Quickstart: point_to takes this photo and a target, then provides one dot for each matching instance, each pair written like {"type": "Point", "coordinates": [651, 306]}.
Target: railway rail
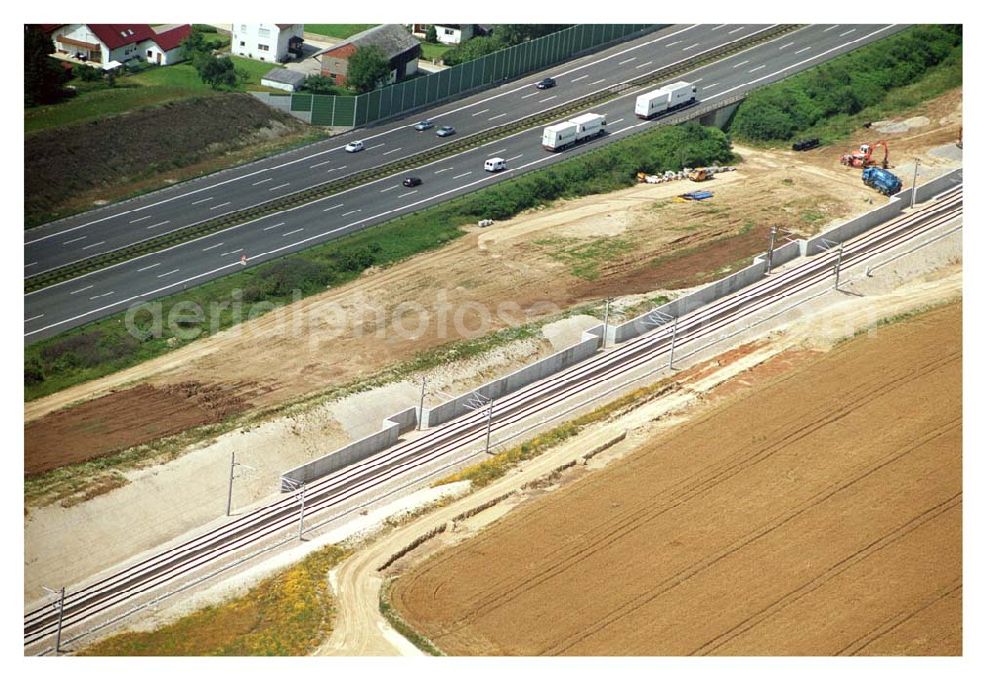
{"type": "Point", "coordinates": [99, 600]}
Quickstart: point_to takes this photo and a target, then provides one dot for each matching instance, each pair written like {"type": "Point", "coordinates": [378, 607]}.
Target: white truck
{"type": "Point", "coordinates": [574, 130]}
{"type": "Point", "coordinates": [664, 99]}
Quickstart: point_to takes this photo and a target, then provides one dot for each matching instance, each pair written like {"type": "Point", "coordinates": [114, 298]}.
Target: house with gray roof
{"type": "Point", "coordinates": [394, 40]}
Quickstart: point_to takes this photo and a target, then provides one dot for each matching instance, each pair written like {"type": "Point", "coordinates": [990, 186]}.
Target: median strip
{"type": "Point", "coordinates": [300, 198]}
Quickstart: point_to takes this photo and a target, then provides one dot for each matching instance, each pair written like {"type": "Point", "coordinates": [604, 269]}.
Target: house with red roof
{"type": "Point", "coordinates": [106, 43]}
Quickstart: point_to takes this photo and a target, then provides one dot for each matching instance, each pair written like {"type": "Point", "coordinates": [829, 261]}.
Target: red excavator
{"type": "Point", "coordinates": [862, 158]}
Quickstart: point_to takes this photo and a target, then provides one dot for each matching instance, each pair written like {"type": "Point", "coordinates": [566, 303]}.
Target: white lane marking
{"type": "Point", "coordinates": [485, 110]}
{"type": "Point", "coordinates": [804, 49]}
{"type": "Point", "coordinates": [496, 117]}
{"type": "Point", "coordinates": [582, 77]}
{"type": "Point", "coordinates": [75, 239]}
{"type": "Point", "coordinates": [319, 164]}
{"type": "Point", "coordinates": [643, 65]}
{"type": "Point", "coordinates": [34, 318]}
{"type": "Point", "coordinates": [597, 82]}
{"type": "Point", "coordinates": [222, 204]}
{"type": "Point", "coordinates": [614, 122]}
{"type": "Point", "coordinates": [736, 30]}
{"type": "Point", "coordinates": [385, 190]}
{"type": "Point", "coordinates": [515, 157]}
{"type": "Point", "coordinates": [443, 170]}
{"type": "Point", "coordinates": [622, 63]}
{"type": "Point", "coordinates": [292, 232]}
{"type": "Point", "coordinates": [741, 63]}
{"type": "Point", "coordinates": [754, 70]}
{"type": "Point", "coordinates": [548, 99]}
{"type": "Point", "coordinates": [101, 296]}
{"type": "Point", "coordinates": [501, 150]}
{"type": "Point", "coordinates": [143, 218]}
{"type": "Point", "coordinates": [376, 146]}
{"type": "Point", "coordinates": [275, 225]}
{"type": "Point", "coordinates": [671, 44]}
{"type": "Point", "coordinates": [528, 96]}
{"type": "Point", "coordinates": [198, 202]}
{"type": "Point", "coordinates": [279, 187]}
{"type": "Point", "coordinates": [390, 152]}
{"type": "Point", "coordinates": [623, 129]}
{"type": "Point", "coordinates": [691, 47]}
{"type": "Point", "coordinates": [96, 244]}
{"type": "Point", "coordinates": [169, 273]}
{"type": "Point", "coordinates": [260, 182]}
{"type": "Point", "coordinates": [235, 251]}
{"type": "Point", "coordinates": [336, 169]}
{"type": "Point", "coordinates": [847, 32]}
{"type": "Point", "coordinates": [333, 207]}
{"type": "Point", "coordinates": [89, 286]}
{"type": "Point", "coordinates": [695, 82]}
{"type": "Point", "coordinates": [711, 85]}
{"type": "Point", "coordinates": [405, 194]}
{"type": "Point", "coordinates": [798, 63]}
{"type": "Point", "coordinates": [157, 225]}
{"type": "Point", "coordinates": [719, 26]}
{"type": "Point", "coordinates": [461, 175]}
{"type": "Point", "coordinates": [353, 211]}
{"type": "Point", "coordinates": [148, 267]}
{"type": "Point", "coordinates": [29, 265]}
{"type": "Point", "coordinates": [213, 246]}
{"type": "Point", "coordinates": [831, 28]}
{"type": "Point", "coordinates": [787, 44]}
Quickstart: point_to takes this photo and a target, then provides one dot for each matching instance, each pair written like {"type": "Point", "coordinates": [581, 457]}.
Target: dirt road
{"type": "Point", "coordinates": [818, 512]}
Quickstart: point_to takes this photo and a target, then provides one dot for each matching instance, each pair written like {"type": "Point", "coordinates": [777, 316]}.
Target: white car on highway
{"type": "Point", "coordinates": [354, 146]}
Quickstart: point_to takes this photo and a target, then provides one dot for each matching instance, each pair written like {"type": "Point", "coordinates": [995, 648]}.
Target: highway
{"type": "Point", "coordinates": [68, 304]}
{"type": "Point", "coordinates": [114, 595]}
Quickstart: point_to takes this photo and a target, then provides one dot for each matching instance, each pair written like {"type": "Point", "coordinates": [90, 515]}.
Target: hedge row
{"type": "Point", "coordinates": [845, 85]}
{"type": "Point", "coordinates": [106, 345]}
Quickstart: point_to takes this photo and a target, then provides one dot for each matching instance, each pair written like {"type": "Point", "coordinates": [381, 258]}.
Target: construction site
{"type": "Point", "coordinates": [646, 422]}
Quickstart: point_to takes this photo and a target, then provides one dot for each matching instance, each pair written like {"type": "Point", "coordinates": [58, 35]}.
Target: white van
{"type": "Point", "coordinates": [495, 164]}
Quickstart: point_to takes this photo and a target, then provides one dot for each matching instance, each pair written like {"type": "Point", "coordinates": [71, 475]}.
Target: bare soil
{"type": "Point", "coordinates": [816, 510]}
{"type": "Point", "coordinates": [127, 418]}
{"type": "Point", "coordinates": [528, 268]}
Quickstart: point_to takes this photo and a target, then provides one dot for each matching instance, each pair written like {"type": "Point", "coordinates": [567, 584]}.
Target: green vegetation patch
{"type": "Point", "coordinates": [107, 345]}
{"type": "Point", "coordinates": [337, 31]}
{"type": "Point", "coordinates": [852, 83]}
{"type": "Point", "coordinates": [287, 614]}
{"type": "Point", "coordinates": [584, 258]}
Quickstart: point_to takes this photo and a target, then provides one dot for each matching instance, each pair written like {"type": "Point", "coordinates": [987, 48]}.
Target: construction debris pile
{"type": "Point", "coordinates": [699, 174]}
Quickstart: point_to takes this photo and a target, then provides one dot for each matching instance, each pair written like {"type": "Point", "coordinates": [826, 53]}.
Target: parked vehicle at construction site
{"type": "Point", "coordinates": [805, 144]}
{"type": "Point", "coordinates": [665, 99]}
{"type": "Point", "coordinates": [862, 157]}
{"type": "Point", "coordinates": [881, 180]}
{"type": "Point", "coordinates": [573, 131]}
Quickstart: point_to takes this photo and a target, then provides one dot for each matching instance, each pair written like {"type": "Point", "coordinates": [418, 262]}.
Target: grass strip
{"type": "Point", "coordinates": [401, 626]}
{"type": "Point", "coordinates": [286, 614]}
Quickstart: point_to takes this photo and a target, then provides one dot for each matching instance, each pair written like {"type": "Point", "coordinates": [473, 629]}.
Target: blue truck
{"type": "Point", "coordinates": [881, 180]}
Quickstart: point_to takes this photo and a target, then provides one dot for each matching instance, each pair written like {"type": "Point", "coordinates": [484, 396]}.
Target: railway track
{"type": "Point", "coordinates": [94, 603]}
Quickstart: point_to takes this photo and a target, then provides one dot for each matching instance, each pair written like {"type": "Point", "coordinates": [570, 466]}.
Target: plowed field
{"type": "Point", "coordinates": [817, 513]}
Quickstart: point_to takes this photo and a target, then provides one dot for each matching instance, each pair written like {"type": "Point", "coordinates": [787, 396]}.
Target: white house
{"type": "Point", "coordinates": [267, 42]}
{"type": "Point", "coordinates": [451, 34]}
{"type": "Point", "coordinates": [104, 43]}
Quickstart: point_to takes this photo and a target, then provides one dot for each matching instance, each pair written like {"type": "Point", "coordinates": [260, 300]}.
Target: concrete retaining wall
{"type": "Point", "coordinates": [358, 450]}
{"type": "Point", "coordinates": [588, 345]}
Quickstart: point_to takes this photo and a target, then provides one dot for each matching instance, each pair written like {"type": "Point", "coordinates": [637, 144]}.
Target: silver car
{"type": "Point", "coordinates": [354, 146]}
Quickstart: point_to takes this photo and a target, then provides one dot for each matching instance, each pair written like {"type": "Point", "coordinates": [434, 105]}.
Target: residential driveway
{"type": "Point", "coordinates": [307, 64]}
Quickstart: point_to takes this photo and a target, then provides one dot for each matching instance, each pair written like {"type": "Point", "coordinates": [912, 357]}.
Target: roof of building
{"type": "Point", "coordinates": [284, 75]}
{"type": "Point", "coordinates": [119, 35]}
{"type": "Point", "coordinates": [393, 39]}
{"type": "Point", "coordinates": [169, 39]}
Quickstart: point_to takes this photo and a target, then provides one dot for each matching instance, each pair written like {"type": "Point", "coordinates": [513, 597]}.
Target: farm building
{"type": "Point", "coordinates": [451, 34]}
{"type": "Point", "coordinates": [282, 78]}
{"type": "Point", "coordinates": [394, 40]}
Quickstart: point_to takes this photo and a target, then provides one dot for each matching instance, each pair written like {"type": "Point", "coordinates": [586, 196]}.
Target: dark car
{"type": "Point", "coordinates": [447, 130]}
{"type": "Point", "coordinates": [546, 83]}
{"type": "Point", "coordinates": [422, 125]}
{"type": "Point", "coordinates": [411, 181]}
{"type": "Point", "coordinates": [805, 144]}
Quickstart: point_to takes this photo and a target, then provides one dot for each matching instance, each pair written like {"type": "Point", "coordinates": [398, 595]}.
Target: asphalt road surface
{"type": "Point", "coordinates": [68, 304]}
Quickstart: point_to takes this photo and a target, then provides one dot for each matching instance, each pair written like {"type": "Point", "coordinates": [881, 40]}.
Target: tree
{"type": "Point", "coordinates": [512, 34]}
{"type": "Point", "coordinates": [319, 84]}
{"type": "Point", "coordinates": [218, 72]}
{"type": "Point", "coordinates": [42, 75]}
{"type": "Point", "coordinates": [195, 49]}
{"type": "Point", "coordinates": [431, 34]}
{"type": "Point", "coordinates": [472, 49]}
{"type": "Point", "coordinates": [366, 68]}
{"type": "Point", "coordinates": [86, 73]}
